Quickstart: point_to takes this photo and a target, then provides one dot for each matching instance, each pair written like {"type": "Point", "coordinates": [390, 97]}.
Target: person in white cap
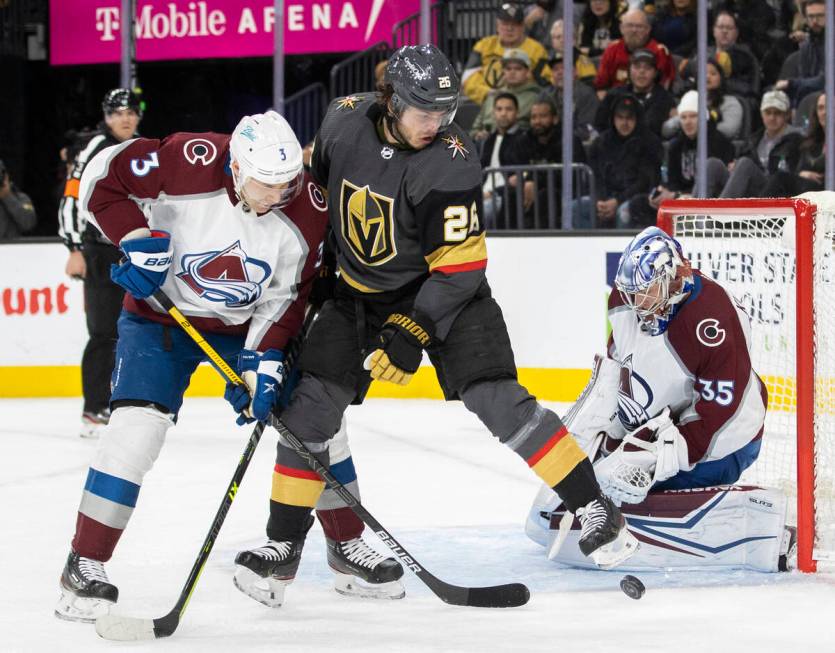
{"type": "Point", "coordinates": [774, 147]}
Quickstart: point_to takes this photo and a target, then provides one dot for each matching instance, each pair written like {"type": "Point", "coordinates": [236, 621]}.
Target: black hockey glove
{"type": "Point", "coordinates": [401, 343]}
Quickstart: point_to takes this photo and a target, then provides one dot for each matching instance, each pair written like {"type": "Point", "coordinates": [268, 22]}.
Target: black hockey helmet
{"type": "Point", "coordinates": [121, 98]}
{"type": "Point", "coordinates": [421, 76]}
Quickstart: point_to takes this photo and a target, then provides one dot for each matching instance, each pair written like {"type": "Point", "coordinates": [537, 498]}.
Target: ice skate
{"type": "Point", "coordinates": [604, 535]}
{"type": "Point", "coordinates": [264, 573]}
{"type": "Point", "coordinates": [86, 593]}
{"type": "Point", "coordinates": [361, 571]}
{"type": "Point", "coordinates": [93, 422]}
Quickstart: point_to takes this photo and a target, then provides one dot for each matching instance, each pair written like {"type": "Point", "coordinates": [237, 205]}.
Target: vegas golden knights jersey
{"type": "Point", "coordinates": [401, 215]}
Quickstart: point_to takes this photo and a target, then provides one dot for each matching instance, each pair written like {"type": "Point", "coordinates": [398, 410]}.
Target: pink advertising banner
{"type": "Point", "coordinates": [89, 31]}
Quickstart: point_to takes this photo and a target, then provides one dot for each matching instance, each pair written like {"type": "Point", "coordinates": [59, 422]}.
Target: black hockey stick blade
{"type": "Point", "coordinates": [511, 595]}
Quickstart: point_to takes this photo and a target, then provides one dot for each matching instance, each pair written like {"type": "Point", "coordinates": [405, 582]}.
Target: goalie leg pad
{"type": "Point", "coordinates": [719, 527]}
{"type": "Point", "coordinates": [596, 409]}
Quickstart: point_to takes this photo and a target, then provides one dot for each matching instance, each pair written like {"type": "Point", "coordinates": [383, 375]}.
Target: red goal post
{"type": "Point", "coordinates": [776, 258]}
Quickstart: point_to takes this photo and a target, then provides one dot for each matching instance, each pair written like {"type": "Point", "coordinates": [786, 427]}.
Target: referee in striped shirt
{"type": "Point", "coordinates": [90, 258]}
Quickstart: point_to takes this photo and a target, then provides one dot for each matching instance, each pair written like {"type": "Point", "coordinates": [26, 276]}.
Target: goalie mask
{"type": "Point", "coordinates": [270, 171]}
{"type": "Point", "coordinates": [653, 278]}
{"type": "Point", "coordinates": [422, 77]}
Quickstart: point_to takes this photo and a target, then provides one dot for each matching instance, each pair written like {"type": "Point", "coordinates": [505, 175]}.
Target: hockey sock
{"type": "Point", "coordinates": [341, 524]}
{"type": "Point", "coordinates": [287, 522]}
{"type": "Point", "coordinates": [579, 486]}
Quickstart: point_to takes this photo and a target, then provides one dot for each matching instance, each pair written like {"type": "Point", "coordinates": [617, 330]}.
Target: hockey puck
{"type": "Point", "coordinates": [632, 587]}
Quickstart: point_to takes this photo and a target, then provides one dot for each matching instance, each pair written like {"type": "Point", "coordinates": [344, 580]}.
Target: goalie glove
{"type": "Point", "coordinates": [400, 350]}
{"type": "Point", "coordinates": [652, 453]}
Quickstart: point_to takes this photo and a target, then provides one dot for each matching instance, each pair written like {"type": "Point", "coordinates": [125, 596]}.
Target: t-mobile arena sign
{"type": "Point", "coordinates": [89, 31]}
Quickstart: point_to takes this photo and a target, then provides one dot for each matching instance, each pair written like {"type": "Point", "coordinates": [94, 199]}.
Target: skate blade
{"type": "Point", "coordinates": [81, 609]}
{"type": "Point", "coordinates": [350, 585]}
{"type": "Point", "coordinates": [267, 591]}
{"type": "Point", "coordinates": [617, 551]}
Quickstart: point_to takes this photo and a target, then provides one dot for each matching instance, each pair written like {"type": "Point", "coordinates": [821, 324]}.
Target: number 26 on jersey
{"type": "Point", "coordinates": [459, 222]}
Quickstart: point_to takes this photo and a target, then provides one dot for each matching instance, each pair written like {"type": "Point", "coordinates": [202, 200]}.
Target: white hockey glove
{"type": "Point", "coordinates": [652, 453]}
{"type": "Point", "coordinates": [596, 409]}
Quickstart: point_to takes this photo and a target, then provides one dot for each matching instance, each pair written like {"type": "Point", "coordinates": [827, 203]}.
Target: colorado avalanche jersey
{"type": "Point", "coordinates": [233, 271]}
{"type": "Point", "coordinates": [700, 367]}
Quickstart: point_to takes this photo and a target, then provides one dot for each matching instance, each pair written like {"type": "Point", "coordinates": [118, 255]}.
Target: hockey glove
{"type": "Point", "coordinates": [148, 259]}
{"type": "Point", "coordinates": [264, 376]}
{"type": "Point", "coordinates": [400, 348]}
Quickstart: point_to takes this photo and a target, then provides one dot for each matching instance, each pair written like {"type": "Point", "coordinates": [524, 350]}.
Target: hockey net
{"type": "Point", "coordinates": [776, 257]}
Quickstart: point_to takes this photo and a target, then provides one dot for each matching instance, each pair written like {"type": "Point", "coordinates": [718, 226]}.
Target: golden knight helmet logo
{"type": "Point", "coordinates": [367, 220]}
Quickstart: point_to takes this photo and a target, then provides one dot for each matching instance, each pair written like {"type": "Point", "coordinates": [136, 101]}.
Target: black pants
{"type": "Point", "coordinates": [102, 304]}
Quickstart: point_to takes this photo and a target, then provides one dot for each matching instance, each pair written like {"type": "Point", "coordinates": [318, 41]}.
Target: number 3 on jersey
{"type": "Point", "coordinates": [459, 222]}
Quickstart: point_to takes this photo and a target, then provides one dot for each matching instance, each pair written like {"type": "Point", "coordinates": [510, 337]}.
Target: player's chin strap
{"type": "Point", "coordinates": [391, 126]}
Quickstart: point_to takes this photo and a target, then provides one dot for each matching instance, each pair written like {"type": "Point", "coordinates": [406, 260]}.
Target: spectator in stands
{"type": "Point", "coordinates": [774, 147]}
{"type": "Point", "coordinates": [542, 143]}
{"type": "Point", "coordinates": [541, 15]}
{"type": "Point", "coordinates": [626, 161]}
{"type": "Point", "coordinates": [681, 165]}
{"type": "Point", "coordinates": [656, 101]}
{"type": "Point", "coordinates": [614, 66]}
{"type": "Point", "coordinates": [17, 215]}
{"type": "Point", "coordinates": [516, 79]}
{"type": "Point", "coordinates": [739, 65]}
{"type": "Point", "coordinates": [755, 19]}
{"type": "Point", "coordinates": [483, 70]}
{"type": "Point", "coordinates": [784, 44]}
{"type": "Point", "coordinates": [811, 168]}
{"type": "Point", "coordinates": [675, 27]}
{"type": "Point", "coordinates": [726, 111]}
{"type": "Point", "coordinates": [811, 58]}
{"type": "Point", "coordinates": [600, 25]}
{"type": "Point", "coordinates": [497, 151]}
{"type": "Point", "coordinates": [584, 68]}
{"type": "Point", "coordinates": [585, 99]}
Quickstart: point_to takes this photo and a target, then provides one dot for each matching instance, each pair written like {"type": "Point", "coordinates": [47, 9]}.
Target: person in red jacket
{"type": "Point", "coordinates": [614, 66]}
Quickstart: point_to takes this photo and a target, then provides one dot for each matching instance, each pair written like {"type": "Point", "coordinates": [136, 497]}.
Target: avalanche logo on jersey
{"type": "Point", "coordinates": [634, 397]}
{"type": "Point", "coordinates": [228, 276]}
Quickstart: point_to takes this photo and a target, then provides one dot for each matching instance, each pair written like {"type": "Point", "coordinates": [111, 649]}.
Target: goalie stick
{"type": "Point", "coordinates": [126, 628]}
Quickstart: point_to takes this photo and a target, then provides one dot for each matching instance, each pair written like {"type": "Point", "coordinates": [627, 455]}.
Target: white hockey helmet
{"type": "Point", "coordinates": [267, 151]}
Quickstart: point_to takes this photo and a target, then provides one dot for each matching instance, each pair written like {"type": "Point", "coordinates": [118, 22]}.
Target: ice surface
{"type": "Point", "coordinates": [432, 475]}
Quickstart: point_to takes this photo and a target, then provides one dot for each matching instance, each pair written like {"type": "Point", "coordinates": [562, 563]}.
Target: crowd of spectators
{"type": "Point", "coordinates": [636, 109]}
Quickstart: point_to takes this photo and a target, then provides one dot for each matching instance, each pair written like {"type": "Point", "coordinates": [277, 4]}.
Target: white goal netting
{"type": "Point", "coordinates": [749, 246]}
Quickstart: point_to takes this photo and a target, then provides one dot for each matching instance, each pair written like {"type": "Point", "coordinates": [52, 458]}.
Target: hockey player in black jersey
{"type": "Point", "coordinates": [404, 187]}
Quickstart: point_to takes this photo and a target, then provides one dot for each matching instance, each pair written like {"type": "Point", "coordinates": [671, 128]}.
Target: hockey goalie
{"type": "Point", "coordinates": [671, 417]}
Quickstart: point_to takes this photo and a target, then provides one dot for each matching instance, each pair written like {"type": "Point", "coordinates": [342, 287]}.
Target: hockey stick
{"type": "Point", "coordinates": [123, 628]}
{"type": "Point", "coordinates": [498, 596]}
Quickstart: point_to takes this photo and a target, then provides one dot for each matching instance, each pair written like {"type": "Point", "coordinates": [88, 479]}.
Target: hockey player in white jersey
{"type": "Point", "coordinates": [672, 417]}
{"type": "Point", "coordinates": [231, 228]}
